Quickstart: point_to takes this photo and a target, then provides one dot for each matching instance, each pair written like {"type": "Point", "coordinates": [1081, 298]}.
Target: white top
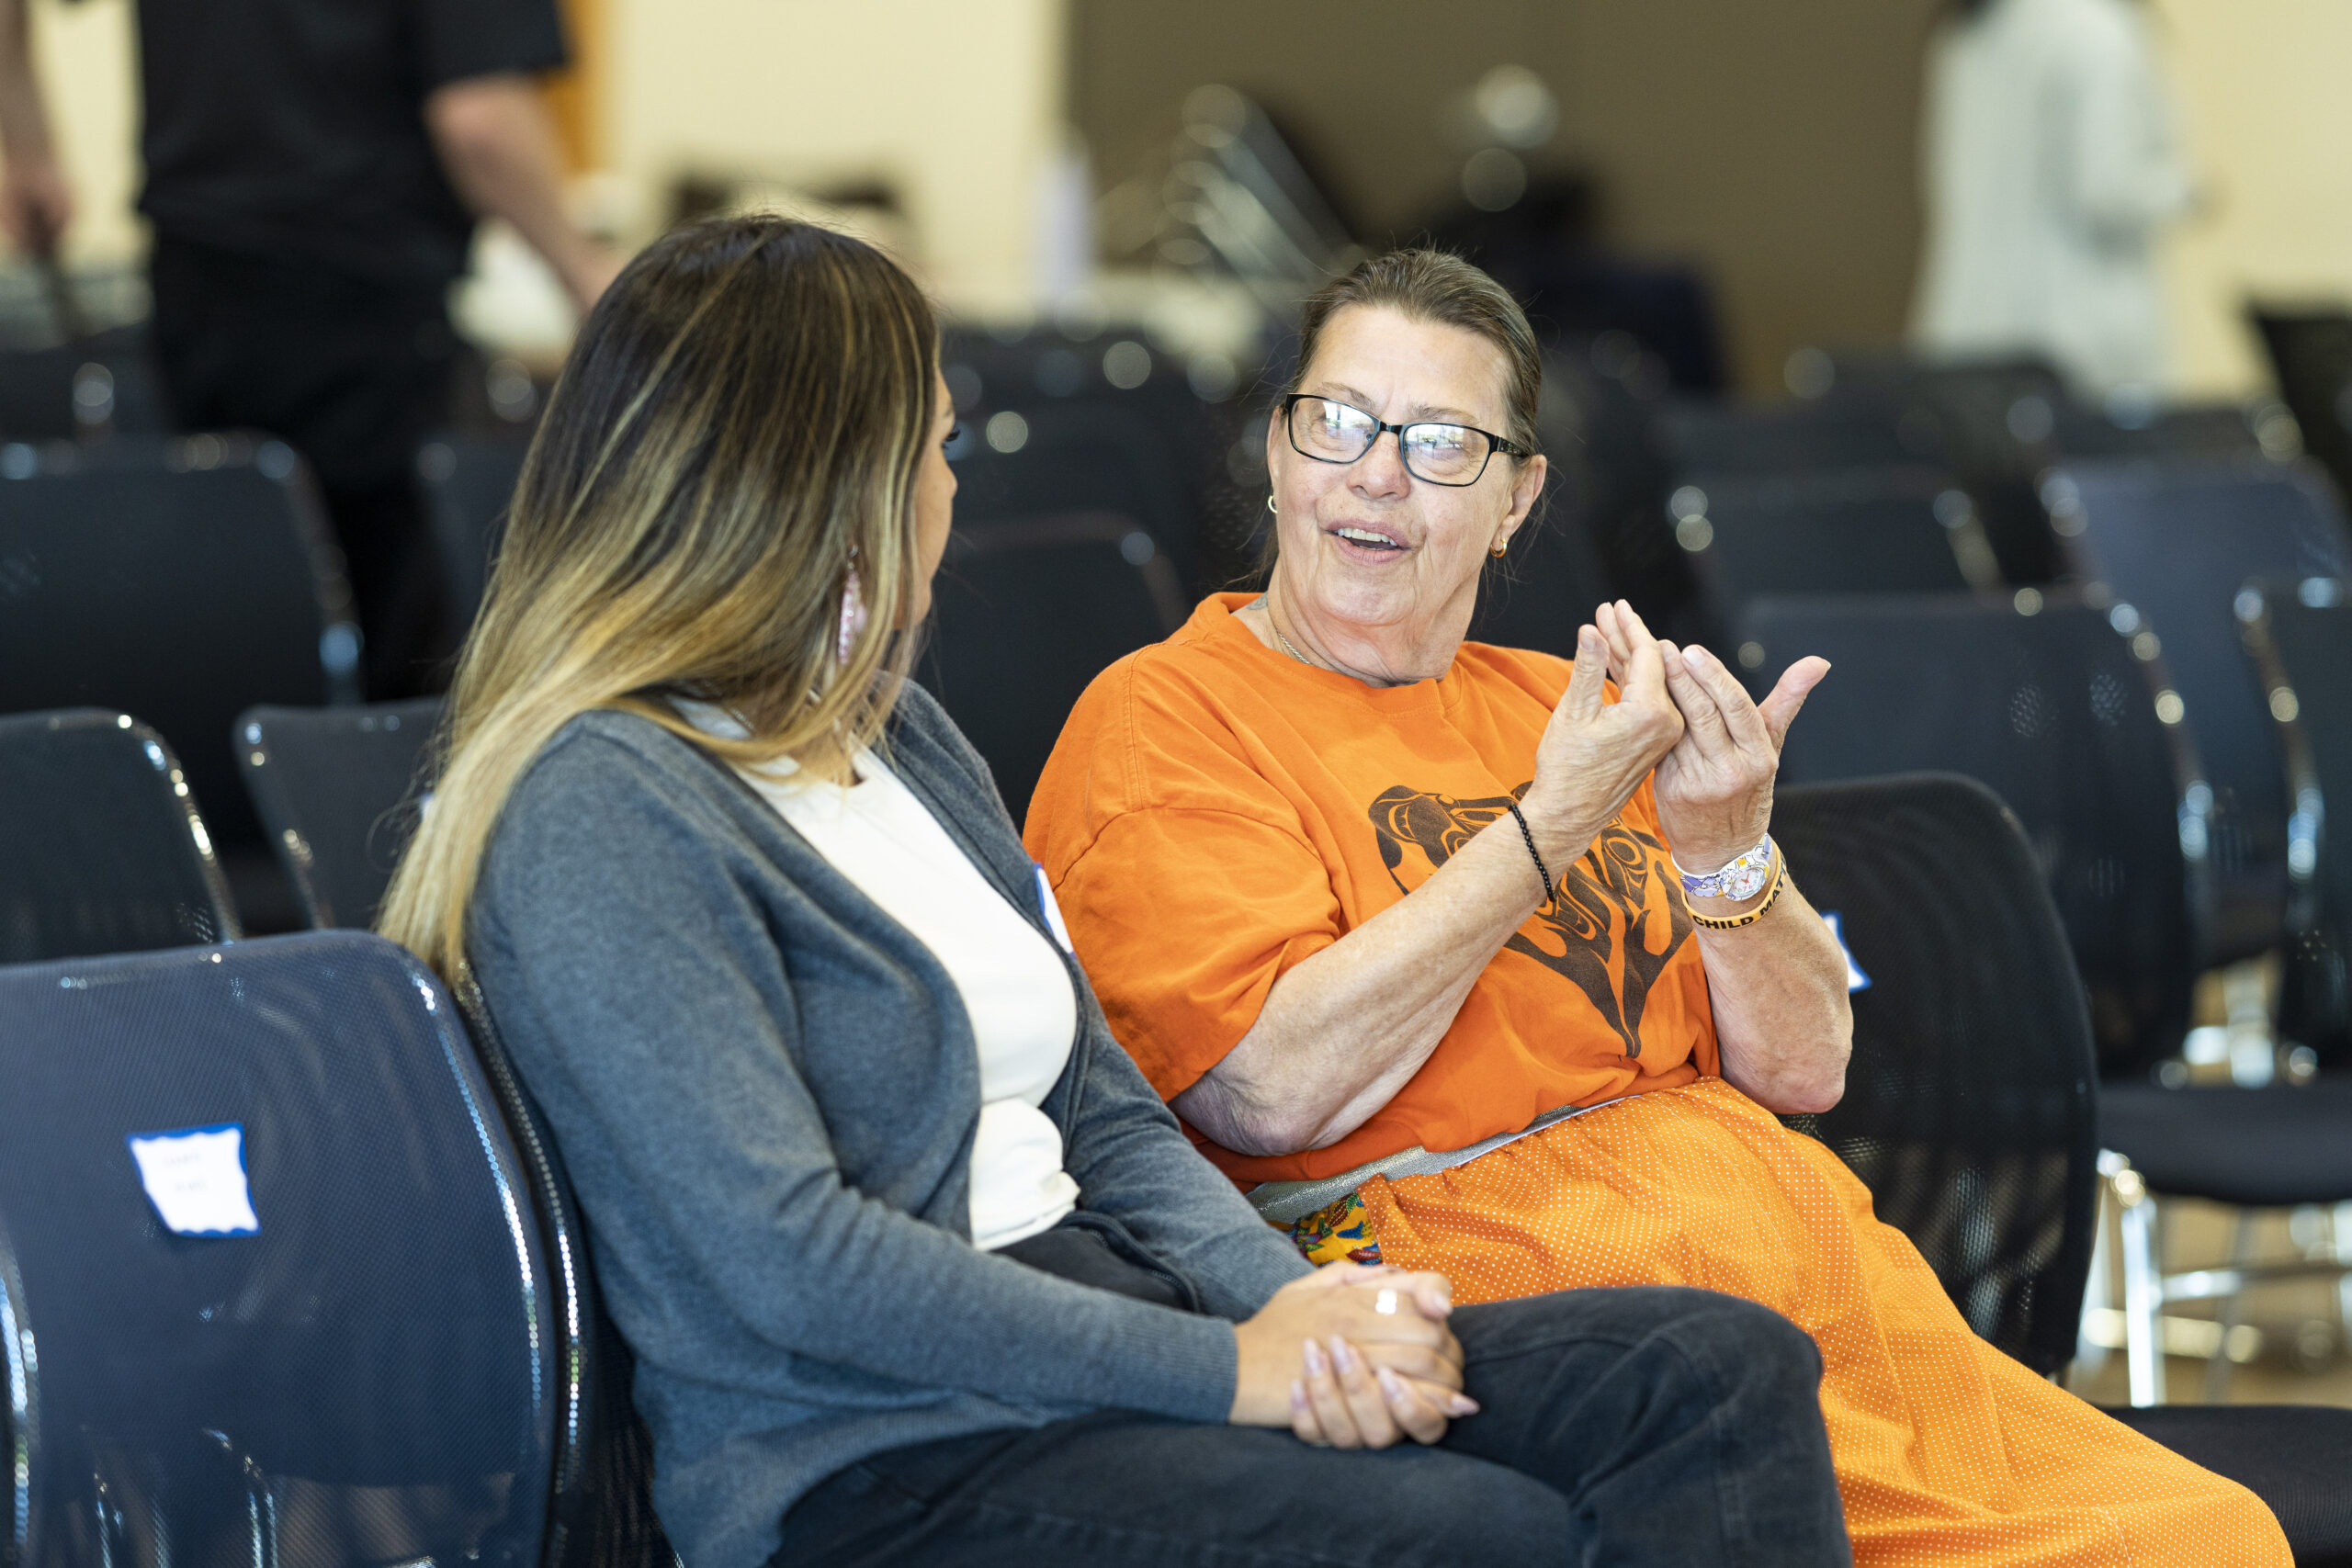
{"type": "Point", "coordinates": [1014, 985]}
{"type": "Point", "coordinates": [2051, 167]}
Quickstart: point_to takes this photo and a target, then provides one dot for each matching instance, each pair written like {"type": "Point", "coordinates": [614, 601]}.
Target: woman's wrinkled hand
{"type": "Point", "coordinates": [1323, 1359]}
{"type": "Point", "coordinates": [1595, 753]}
{"type": "Point", "coordinates": [1714, 785]}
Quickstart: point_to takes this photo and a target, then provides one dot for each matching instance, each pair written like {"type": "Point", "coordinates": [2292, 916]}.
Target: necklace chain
{"type": "Point", "coordinates": [1286, 642]}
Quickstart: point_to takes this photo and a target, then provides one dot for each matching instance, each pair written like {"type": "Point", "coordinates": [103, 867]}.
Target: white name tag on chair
{"type": "Point", "coordinates": [196, 1179]}
{"type": "Point", "coordinates": [1855, 980]}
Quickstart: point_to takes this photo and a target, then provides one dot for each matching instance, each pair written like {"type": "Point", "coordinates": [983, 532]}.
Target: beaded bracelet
{"type": "Point", "coordinates": [1734, 922]}
{"type": "Point", "coordinates": [1539, 869]}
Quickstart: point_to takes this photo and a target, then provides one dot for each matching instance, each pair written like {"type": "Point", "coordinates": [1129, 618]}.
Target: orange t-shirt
{"type": "Point", "coordinates": [1216, 812]}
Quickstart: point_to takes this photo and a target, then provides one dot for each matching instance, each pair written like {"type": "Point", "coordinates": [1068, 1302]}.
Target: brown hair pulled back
{"type": "Point", "coordinates": [1431, 286]}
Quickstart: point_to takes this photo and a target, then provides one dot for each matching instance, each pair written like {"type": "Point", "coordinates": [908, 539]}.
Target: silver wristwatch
{"type": "Point", "coordinates": [1743, 878]}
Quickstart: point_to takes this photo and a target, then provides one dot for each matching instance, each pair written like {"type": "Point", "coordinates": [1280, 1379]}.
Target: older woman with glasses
{"type": "Point", "coordinates": [1472, 961]}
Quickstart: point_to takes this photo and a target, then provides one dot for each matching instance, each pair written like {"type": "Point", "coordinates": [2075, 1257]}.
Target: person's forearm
{"type": "Point", "coordinates": [499, 149]}
{"type": "Point", "coordinates": [1344, 1031]}
{"type": "Point", "coordinates": [24, 113]}
{"type": "Point", "coordinates": [1782, 1017]}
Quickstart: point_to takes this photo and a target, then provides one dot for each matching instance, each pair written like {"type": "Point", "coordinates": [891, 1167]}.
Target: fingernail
{"type": "Point", "coordinates": [1297, 1394]}
{"type": "Point", "coordinates": [1343, 1355]}
{"type": "Point", "coordinates": [1313, 1356]}
{"type": "Point", "coordinates": [1390, 1383]}
{"type": "Point", "coordinates": [1462, 1404]}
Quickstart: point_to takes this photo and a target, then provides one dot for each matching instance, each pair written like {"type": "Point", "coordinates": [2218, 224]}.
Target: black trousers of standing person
{"type": "Point", "coordinates": [1650, 1424]}
{"type": "Point", "coordinates": [354, 373]}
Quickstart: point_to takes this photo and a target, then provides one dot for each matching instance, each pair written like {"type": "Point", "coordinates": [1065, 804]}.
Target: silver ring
{"type": "Point", "coordinates": [1385, 1303]}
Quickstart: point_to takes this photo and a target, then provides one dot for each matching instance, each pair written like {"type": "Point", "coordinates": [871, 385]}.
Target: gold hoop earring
{"type": "Point", "coordinates": [1497, 551]}
{"type": "Point", "coordinates": [1270, 506]}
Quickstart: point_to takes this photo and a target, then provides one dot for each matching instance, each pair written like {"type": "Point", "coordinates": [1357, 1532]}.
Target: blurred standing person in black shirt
{"type": "Point", "coordinates": [314, 171]}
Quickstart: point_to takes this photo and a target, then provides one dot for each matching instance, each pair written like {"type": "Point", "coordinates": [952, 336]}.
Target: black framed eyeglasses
{"type": "Point", "coordinates": [1332, 432]}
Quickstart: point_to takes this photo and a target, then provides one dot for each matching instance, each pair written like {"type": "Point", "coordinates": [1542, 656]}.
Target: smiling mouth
{"type": "Point", "coordinates": [1363, 538]}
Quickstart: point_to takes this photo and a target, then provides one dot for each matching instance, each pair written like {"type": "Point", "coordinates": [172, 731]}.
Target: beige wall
{"type": "Point", "coordinates": [957, 103]}
{"type": "Point", "coordinates": [1771, 144]}
{"type": "Point", "coordinates": [90, 65]}
{"type": "Point", "coordinates": [2268, 115]}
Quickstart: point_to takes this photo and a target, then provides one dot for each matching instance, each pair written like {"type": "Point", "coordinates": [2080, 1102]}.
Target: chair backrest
{"type": "Point", "coordinates": [1102, 452]}
{"type": "Point", "coordinates": [601, 1505]}
{"type": "Point", "coordinates": [259, 1212]}
{"type": "Point", "coordinates": [1725, 440]}
{"type": "Point", "coordinates": [1866, 530]}
{"type": "Point", "coordinates": [180, 580]}
{"type": "Point", "coordinates": [338, 790]}
{"type": "Point", "coordinates": [2300, 637]}
{"type": "Point", "coordinates": [2176, 542]}
{"type": "Point", "coordinates": [2056, 713]}
{"type": "Point", "coordinates": [1025, 615]}
{"type": "Point", "coordinates": [468, 483]}
{"type": "Point", "coordinates": [2311, 354]}
{"type": "Point", "coordinates": [1971, 1105]}
{"type": "Point", "coordinates": [103, 385]}
{"type": "Point", "coordinates": [101, 848]}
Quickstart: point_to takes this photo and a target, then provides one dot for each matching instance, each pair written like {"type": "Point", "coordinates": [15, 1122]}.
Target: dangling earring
{"type": "Point", "coordinates": [853, 617]}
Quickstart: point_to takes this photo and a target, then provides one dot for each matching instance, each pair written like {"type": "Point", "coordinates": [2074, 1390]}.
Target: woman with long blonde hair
{"type": "Point", "coordinates": [911, 1259]}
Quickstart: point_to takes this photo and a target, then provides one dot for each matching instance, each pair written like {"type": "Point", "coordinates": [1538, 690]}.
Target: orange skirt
{"type": "Point", "coordinates": [1949, 1453]}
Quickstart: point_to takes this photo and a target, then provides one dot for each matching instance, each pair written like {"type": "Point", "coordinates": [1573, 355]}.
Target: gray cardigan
{"type": "Point", "coordinates": [765, 1089]}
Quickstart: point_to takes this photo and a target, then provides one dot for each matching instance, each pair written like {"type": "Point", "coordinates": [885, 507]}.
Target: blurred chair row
{"type": "Point", "coordinates": [312, 1385]}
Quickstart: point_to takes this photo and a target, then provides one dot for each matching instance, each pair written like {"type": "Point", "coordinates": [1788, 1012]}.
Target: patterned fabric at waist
{"type": "Point", "coordinates": [1283, 1203]}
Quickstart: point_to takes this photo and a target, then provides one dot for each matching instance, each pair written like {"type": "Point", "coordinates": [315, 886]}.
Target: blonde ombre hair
{"type": "Point", "coordinates": [736, 430]}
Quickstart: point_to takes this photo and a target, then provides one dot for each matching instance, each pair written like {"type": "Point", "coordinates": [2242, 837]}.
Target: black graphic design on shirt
{"type": "Point", "coordinates": [1578, 938]}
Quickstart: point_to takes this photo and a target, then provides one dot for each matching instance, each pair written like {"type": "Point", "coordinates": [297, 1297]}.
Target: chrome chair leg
{"type": "Point", "coordinates": [2144, 1296]}
{"type": "Point", "coordinates": [2218, 1366]}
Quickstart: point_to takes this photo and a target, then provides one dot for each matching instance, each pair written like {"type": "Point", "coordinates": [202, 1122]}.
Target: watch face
{"type": "Point", "coordinates": [1746, 882]}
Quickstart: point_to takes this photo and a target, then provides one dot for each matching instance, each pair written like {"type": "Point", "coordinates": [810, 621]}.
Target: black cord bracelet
{"type": "Point", "coordinates": [1531, 854]}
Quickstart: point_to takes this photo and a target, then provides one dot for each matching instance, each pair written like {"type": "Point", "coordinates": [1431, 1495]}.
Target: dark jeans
{"type": "Point", "coordinates": [1650, 1424]}
{"type": "Point", "coordinates": [351, 373]}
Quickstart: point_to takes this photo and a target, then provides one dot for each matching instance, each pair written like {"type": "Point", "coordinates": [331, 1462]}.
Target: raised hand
{"type": "Point", "coordinates": [1715, 787]}
{"type": "Point", "coordinates": [1595, 753]}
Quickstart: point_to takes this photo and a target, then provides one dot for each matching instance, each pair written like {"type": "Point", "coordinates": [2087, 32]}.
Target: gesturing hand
{"type": "Point", "coordinates": [1715, 787]}
{"type": "Point", "coordinates": [1595, 753]}
{"type": "Point", "coordinates": [1322, 1357]}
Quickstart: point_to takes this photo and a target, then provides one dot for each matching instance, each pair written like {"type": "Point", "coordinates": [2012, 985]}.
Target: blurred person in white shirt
{"type": "Point", "coordinates": [2051, 168]}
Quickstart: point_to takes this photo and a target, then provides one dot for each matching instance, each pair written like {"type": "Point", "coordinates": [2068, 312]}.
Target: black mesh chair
{"type": "Point", "coordinates": [2310, 355]}
{"type": "Point", "coordinates": [2055, 712]}
{"type": "Point", "coordinates": [319, 1328]}
{"type": "Point", "coordinates": [1971, 1104]}
{"type": "Point", "coordinates": [1086, 455]}
{"type": "Point", "coordinates": [1025, 615]}
{"type": "Point", "coordinates": [101, 849]}
{"type": "Point", "coordinates": [103, 385]}
{"type": "Point", "coordinates": [1726, 439]}
{"type": "Point", "coordinates": [1870, 531]}
{"type": "Point", "coordinates": [183, 581]}
{"type": "Point", "coordinates": [2286, 1144]}
{"type": "Point", "coordinates": [601, 1512]}
{"type": "Point", "coordinates": [467, 482]}
{"type": "Point", "coordinates": [1968, 1107]}
{"type": "Point", "coordinates": [2302, 639]}
{"type": "Point", "coordinates": [338, 789]}
{"type": "Point", "coordinates": [2173, 542]}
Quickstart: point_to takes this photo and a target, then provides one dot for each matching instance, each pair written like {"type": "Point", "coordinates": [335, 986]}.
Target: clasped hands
{"type": "Point", "coordinates": [1680, 713]}
{"type": "Point", "coordinates": [1354, 1355]}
